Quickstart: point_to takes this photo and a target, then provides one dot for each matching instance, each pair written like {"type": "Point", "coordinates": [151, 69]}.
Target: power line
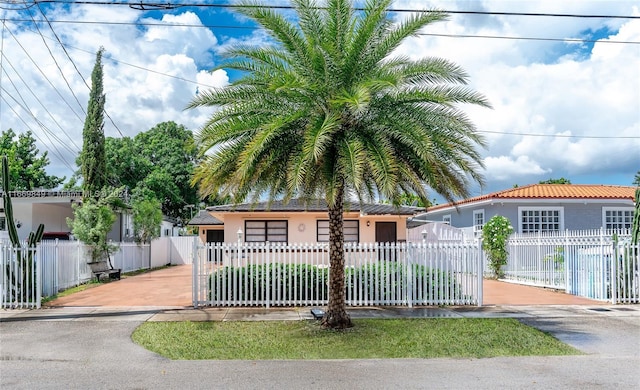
{"type": "Point", "coordinates": [44, 75]}
{"type": "Point", "coordinates": [41, 103]}
{"type": "Point", "coordinates": [42, 126]}
{"type": "Point", "coordinates": [230, 27]}
{"type": "Point", "coordinates": [168, 6]}
{"type": "Point", "coordinates": [58, 66]}
{"type": "Point", "coordinates": [72, 63]}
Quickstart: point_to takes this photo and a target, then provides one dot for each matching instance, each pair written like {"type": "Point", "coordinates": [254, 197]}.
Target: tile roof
{"type": "Point", "coordinates": [298, 205]}
{"type": "Point", "coordinates": [204, 218]}
{"type": "Point", "coordinates": [552, 191]}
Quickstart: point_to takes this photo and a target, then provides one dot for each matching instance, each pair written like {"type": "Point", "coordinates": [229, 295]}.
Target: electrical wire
{"type": "Point", "coordinates": [40, 124]}
{"type": "Point", "coordinates": [74, 65]}
{"type": "Point", "coordinates": [35, 96]}
{"type": "Point", "coordinates": [143, 6]}
{"type": "Point", "coordinates": [220, 27]}
{"type": "Point", "coordinates": [44, 75]}
{"type": "Point", "coordinates": [58, 66]}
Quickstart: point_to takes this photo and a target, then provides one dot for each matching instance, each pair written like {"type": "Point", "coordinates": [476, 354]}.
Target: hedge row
{"type": "Point", "coordinates": [382, 280]}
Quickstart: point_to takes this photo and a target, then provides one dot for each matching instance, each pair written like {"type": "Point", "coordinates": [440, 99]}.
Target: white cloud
{"type": "Point", "coordinates": [150, 75]}
{"type": "Point", "coordinates": [504, 168]}
{"type": "Point", "coordinates": [546, 88]}
{"type": "Point", "coordinates": [536, 87]}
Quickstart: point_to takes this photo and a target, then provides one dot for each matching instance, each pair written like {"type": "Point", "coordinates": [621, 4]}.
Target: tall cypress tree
{"type": "Point", "coordinates": [92, 157]}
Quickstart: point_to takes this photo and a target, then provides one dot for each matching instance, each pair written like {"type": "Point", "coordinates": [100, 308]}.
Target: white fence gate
{"type": "Point", "coordinates": [53, 266]}
{"type": "Point", "coordinates": [264, 274]}
{"type": "Point", "coordinates": [584, 263]}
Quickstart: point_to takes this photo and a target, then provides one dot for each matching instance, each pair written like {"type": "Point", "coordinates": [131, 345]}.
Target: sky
{"type": "Point", "coordinates": [565, 104]}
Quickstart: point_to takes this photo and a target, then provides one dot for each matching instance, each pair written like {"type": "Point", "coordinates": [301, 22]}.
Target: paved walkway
{"type": "Point", "coordinates": [171, 287]}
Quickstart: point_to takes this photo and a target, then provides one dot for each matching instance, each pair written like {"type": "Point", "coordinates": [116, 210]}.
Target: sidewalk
{"type": "Point", "coordinates": [149, 313]}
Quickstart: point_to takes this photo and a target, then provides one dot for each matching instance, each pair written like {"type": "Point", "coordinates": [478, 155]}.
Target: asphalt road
{"type": "Point", "coordinates": [96, 352]}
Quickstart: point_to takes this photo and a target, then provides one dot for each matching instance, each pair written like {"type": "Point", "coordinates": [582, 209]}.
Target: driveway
{"type": "Point", "coordinates": [171, 287]}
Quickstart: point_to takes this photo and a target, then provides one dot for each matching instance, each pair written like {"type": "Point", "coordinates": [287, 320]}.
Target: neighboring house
{"type": "Point", "coordinates": [169, 227]}
{"type": "Point", "coordinates": [293, 222]}
{"type": "Point", "coordinates": [543, 208]}
{"type": "Point", "coordinates": [52, 208]}
{"type": "Point", "coordinates": [210, 229]}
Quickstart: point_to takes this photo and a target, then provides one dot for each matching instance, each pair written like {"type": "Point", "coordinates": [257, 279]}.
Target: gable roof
{"type": "Point", "coordinates": [551, 191]}
{"type": "Point", "coordinates": [204, 218]}
{"type": "Point", "coordinates": [298, 205]}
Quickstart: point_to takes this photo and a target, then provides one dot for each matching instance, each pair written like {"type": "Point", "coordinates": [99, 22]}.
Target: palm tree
{"type": "Point", "coordinates": [325, 111]}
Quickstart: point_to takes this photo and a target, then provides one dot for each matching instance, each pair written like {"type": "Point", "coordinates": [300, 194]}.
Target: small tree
{"type": "Point", "coordinates": [147, 217]}
{"type": "Point", "coordinates": [91, 223]}
{"type": "Point", "coordinates": [494, 241]}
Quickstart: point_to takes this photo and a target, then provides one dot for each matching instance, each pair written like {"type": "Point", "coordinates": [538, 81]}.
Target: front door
{"type": "Point", "coordinates": [386, 232]}
{"type": "Point", "coordinates": [214, 236]}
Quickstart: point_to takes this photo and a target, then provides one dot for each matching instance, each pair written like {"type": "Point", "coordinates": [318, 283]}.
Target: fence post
{"type": "Point", "coordinates": [409, 262]}
{"type": "Point", "coordinates": [195, 286]}
{"type": "Point", "coordinates": [566, 262]}
{"type": "Point", "coordinates": [38, 276]}
{"type": "Point", "coordinates": [614, 277]}
{"type": "Point", "coordinates": [480, 263]}
{"type": "Point", "coordinates": [270, 287]}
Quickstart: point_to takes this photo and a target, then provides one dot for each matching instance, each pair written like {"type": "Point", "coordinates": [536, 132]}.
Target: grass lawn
{"type": "Point", "coordinates": [370, 338]}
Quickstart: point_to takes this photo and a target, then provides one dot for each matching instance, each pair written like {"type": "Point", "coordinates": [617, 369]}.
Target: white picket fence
{"type": "Point", "coordinates": [269, 274]}
{"type": "Point", "coordinates": [64, 263]}
{"type": "Point", "coordinates": [21, 282]}
{"type": "Point", "coordinates": [584, 263]}
{"type": "Point", "coordinates": [56, 266]}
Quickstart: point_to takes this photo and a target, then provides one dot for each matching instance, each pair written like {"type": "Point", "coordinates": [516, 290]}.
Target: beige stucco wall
{"type": "Point", "coordinates": [302, 226]}
{"type": "Point", "coordinates": [202, 231]}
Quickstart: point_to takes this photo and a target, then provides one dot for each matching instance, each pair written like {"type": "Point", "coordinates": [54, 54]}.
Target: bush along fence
{"type": "Point", "coordinates": [269, 274]}
{"type": "Point", "coordinates": [589, 263]}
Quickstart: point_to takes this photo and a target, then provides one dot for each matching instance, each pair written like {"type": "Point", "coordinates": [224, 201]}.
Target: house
{"type": "Point", "coordinates": [52, 208]}
{"type": "Point", "coordinates": [295, 222]}
{"type": "Point", "coordinates": [543, 208]}
{"type": "Point", "coordinates": [210, 229]}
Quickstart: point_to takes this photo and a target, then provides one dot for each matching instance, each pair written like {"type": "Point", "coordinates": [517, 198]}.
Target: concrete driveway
{"type": "Point", "coordinates": [73, 348]}
{"type": "Point", "coordinates": [172, 287]}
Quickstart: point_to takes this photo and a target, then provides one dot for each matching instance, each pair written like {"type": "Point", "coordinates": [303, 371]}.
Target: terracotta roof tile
{"type": "Point", "coordinates": [552, 191]}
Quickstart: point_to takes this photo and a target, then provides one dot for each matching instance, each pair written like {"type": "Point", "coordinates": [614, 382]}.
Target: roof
{"type": "Point", "coordinates": [298, 205]}
{"type": "Point", "coordinates": [552, 191]}
{"type": "Point", "coordinates": [204, 218]}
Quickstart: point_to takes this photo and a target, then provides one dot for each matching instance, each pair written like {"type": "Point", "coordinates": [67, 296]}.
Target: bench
{"type": "Point", "coordinates": [102, 268]}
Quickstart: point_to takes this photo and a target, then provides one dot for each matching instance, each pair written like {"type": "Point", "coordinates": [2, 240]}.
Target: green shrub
{"type": "Point", "coordinates": [386, 280]}
{"type": "Point", "coordinates": [382, 280]}
{"type": "Point", "coordinates": [494, 241]}
{"type": "Point", "coordinates": [292, 280]}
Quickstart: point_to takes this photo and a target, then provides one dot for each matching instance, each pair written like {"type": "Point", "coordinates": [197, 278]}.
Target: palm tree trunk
{"type": "Point", "coordinates": [336, 316]}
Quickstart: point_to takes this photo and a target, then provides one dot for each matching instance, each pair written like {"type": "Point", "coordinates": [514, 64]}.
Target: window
{"type": "Point", "coordinates": [3, 223]}
{"type": "Point", "coordinates": [446, 219]}
{"type": "Point", "coordinates": [262, 231]}
{"type": "Point", "coordinates": [540, 219]}
{"type": "Point", "coordinates": [351, 230]}
{"type": "Point", "coordinates": [478, 222]}
{"type": "Point", "coordinates": [617, 218]}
